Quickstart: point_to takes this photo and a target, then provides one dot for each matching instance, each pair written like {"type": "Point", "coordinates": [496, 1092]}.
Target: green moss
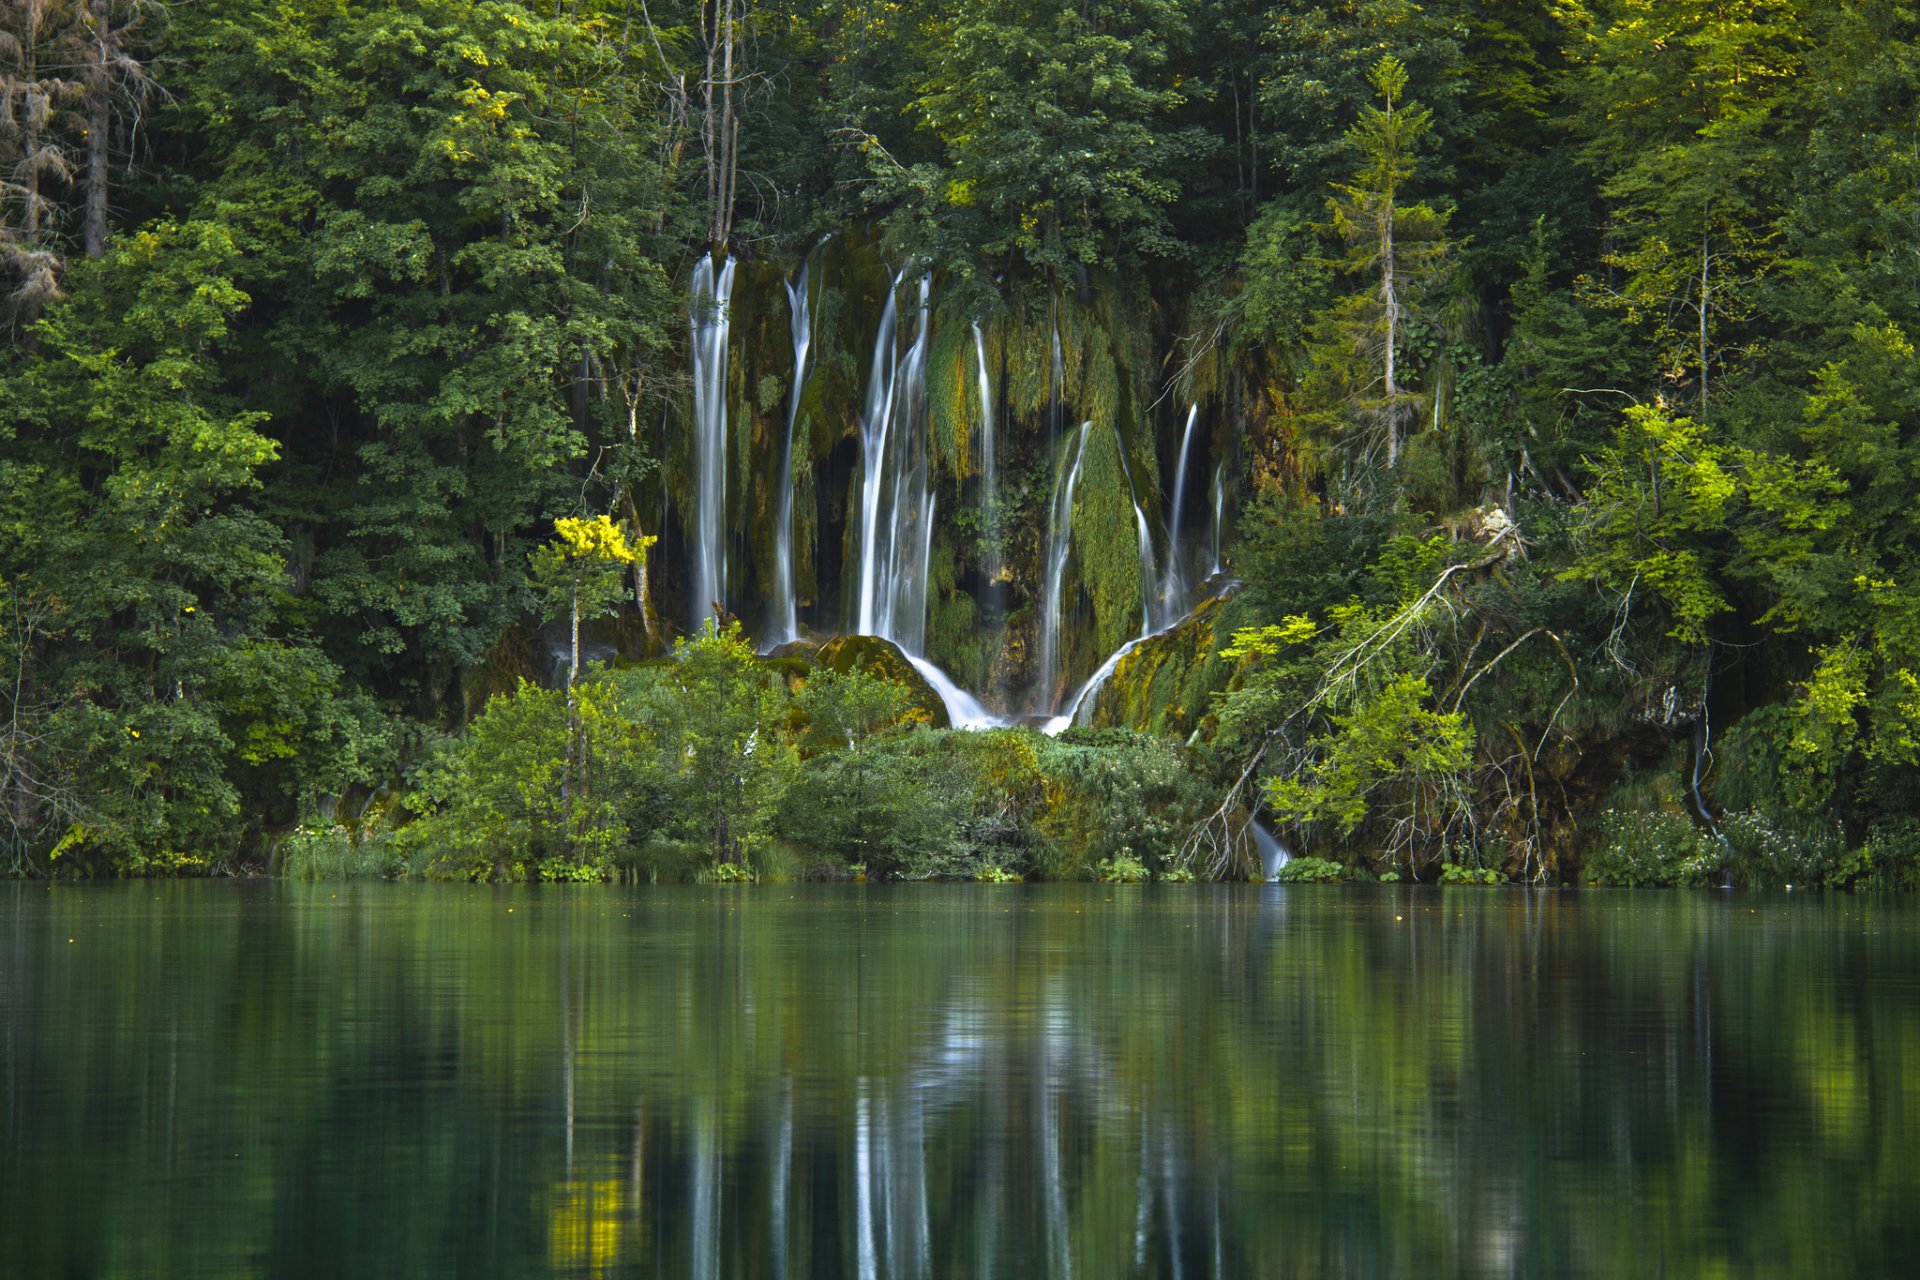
{"type": "Point", "coordinates": [951, 411]}
{"type": "Point", "coordinates": [1106, 543]}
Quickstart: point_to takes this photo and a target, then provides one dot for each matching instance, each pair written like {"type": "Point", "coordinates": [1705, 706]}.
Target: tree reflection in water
{"type": "Point", "coordinates": [1068, 1081]}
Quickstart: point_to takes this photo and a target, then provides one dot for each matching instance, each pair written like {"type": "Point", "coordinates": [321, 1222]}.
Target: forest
{"type": "Point", "coordinates": [1472, 441]}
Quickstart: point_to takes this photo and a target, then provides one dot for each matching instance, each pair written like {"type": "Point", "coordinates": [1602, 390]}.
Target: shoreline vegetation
{"type": "Point", "coordinates": [1462, 443]}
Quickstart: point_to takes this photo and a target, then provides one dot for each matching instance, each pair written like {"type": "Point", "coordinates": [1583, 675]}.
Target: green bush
{"type": "Point", "coordinates": [1454, 873]}
{"type": "Point", "coordinates": [313, 852]}
{"type": "Point", "coordinates": [1892, 855]}
{"type": "Point", "coordinates": [1643, 849]}
{"type": "Point", "coordinates": [726, 873]}
{"type": "Point", "coordinates": [1121, 869]}
{"type": "Point", "coordinates": [1311, 871]}
{"type": "Point", "coordinates": [1113, 794]}
{"type": "Point", "coordinates": [1770, 849]}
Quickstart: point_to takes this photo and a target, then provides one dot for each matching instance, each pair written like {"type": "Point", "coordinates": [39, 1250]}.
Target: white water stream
{"type": "Point", "coordinates": [785, 615]}
{"type": "Point", "coordinates": [712, 294]}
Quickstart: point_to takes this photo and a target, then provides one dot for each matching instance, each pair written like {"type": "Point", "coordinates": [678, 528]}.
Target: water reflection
{"type": "Point", "coordinates": [220, 1080]}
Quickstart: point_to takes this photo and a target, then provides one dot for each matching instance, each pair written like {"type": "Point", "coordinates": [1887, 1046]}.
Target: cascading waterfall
{"type": "Point", "coordinates": [1080, 705]}
{"type": "Point", "coordinates": [1173, 585]}
{"type": "Point", "coordinates": [896, 499]}
{"type": "Point", "coordinates": [892, 511]}
{"type": "Point", "coordinates": [785, 619]}
{"type": "Point", "coordinates": [1059, 538]}
{"type": "Point", "coordinates": [712, 294]}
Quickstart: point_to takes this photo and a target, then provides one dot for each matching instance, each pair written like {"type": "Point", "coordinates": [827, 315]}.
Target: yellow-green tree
{"type": "Point", "coordinates": [583, 571]}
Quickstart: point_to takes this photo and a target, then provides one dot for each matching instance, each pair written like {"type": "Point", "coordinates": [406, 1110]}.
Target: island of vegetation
{"type": "Point", "coordinates": [1470, 441]}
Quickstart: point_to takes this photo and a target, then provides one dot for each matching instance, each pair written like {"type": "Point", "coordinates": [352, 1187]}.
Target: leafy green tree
{"type": "Point", "coordinates": [541, 785]}
{"type": "Point", "coordinates": [457, 211]}
{"type": "Point", "coordinates": [719, 715]}
{"type": "Point", "coordinates": [147, 639]}
{"type": "Point", "coordinates": [1681, 106]}
{"type": "Point", "coordinates": [1056, 133]}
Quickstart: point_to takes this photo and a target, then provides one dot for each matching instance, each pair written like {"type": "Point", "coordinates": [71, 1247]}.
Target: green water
{"type": "Point", "coordinates": [278, 1080]}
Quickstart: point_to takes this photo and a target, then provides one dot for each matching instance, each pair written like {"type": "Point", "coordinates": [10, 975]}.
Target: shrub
{"type": "Point", "coordinates": [1454, 873]}
{"type": "Point", "coordinates": [1640, 849]}
{"type": "Point", "coordinates": [1121, 869]}
{"type": "Point", "coordinates": [314, 852]}
{"type": "Point", "coordinates": [1892, 855]}
{"type": "Point", "coordinates": [1311, 871]}
{"type": "Point", "coordinates": [1772, 849]}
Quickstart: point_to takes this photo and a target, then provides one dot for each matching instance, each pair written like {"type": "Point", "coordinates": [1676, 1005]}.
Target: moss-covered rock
{"type": "Point", "coordinates": [1167, 683]}
{"type": "Point", "coordinates": [885, 659]}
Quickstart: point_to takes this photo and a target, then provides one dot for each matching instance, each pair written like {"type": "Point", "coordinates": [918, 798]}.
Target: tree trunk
{"type": "Point", "coordinates": [99, 122]}
{"type": "Point", "coordinates": [1389, 297]}
{"type": "Point", "coordinates": [1706, 294]}
{"type": "Point", "coordinates": [571, 760]}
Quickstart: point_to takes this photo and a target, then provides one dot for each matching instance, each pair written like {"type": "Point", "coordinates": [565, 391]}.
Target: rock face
{"type": "Point", "coordinates": [885, 659]}
{"type": "Point", "coordinates": [1167, 683]}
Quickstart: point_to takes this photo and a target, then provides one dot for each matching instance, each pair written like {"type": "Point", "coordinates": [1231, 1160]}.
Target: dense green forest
{"type": "Point", "coordinates": [1479, 439]}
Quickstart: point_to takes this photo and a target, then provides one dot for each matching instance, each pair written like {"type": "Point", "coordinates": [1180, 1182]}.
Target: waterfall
{"type": "Point", "coordinates": [1148, 587]}
{"type": "Point", "coordinates": [989, 464]}
{"type": "Point", "coordinates": [897, 507]}
{"type": "Point", "coordinates": [785, 620]}
{"type": "Point", "coordinates": [963, 709]}
{"type": "Point", "coordinates": [1083, 696]}
{"type": "Point", "coordinates": [1273, 854]}
{"type": "Point", "coordinates": [1173, 587]}
{"type": "Point", "coordinates": [1219, 501]}
{"type": "Point", "coordinates": [1059, 537]}
{"type": "Point", "coordinates": [896, 498]}
{"type": "Point", "coordinates": [711, 296]}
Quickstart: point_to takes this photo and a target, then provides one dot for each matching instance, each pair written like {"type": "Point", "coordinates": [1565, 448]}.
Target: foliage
{"type": "Point", "coordinates": [1641, 849]}
{"type": "Point", "coordinates": [1312, 871]}
{"type": "Point", "coordinates": [312, 852]}
{"type": "Point", "coordinates": [1554, 371]}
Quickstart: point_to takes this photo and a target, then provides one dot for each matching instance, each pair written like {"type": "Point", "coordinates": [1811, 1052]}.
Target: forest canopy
{"type": "Point", "coordinates": [1501, 446]}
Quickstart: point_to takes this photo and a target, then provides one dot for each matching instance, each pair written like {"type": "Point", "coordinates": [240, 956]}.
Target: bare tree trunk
{"type": "Point", "coordinates": [1389, 296]}
{"type": "Point", "coordinates": [1706, 294]}
{"type": "Point", "coordinates": [99, 122]}
{"type": "Point", "coordinates": [708, 124]}
{"type": "Point", "coordinates": [571, 760]}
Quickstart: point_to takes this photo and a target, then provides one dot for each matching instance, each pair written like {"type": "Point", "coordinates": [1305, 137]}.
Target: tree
{"type": "Point", "coordinates": [583, 574]}
{"type": "Point", "coordinates": [1055, 134]}
{"type": "Point", "coordinates": [718, 714]}
{"type": "Point", "coordinates": [1681, 105]}
{"type": "Point", "coordinates": [1399, 250]}
{"type": "Point", "coordinates": [167, 702]}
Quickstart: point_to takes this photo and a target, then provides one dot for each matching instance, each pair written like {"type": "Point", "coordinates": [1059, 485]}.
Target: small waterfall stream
{"type": "Point", "coordinates": [1059, 540]}
{"type": "Point", "coordinates": [1219, 502]}
{"type": "Point", "coordinates": [1173, 585]}
{"type": "Point", "coordinates": [989, 462]}
{"type": "Point", "coordinates": [712, 294]}
{"type": "Point", "coordinates": [785, 619]}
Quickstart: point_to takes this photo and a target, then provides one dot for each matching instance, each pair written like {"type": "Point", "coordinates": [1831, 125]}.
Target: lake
{"type": "Point", "coordinates": [283, 1080]}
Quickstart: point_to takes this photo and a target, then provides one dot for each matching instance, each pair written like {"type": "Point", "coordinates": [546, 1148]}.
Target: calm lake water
{"type": "Point", "coordinates": [280, 1080]}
